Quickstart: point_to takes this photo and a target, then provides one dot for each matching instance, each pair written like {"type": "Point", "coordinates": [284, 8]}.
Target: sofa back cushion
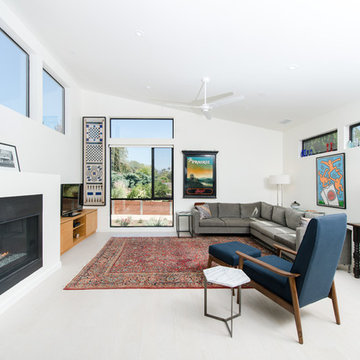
{"type": "Point", "coordinates": [250, 210]}
{"type": "Point", "coordinates": [266, 211]}
{"type": "Point", "coordinates": [278, 215]}
{"type": "Point", "coordinates": [293, 218]}
{"type": "Point", "coordinates": [229, 210]}
{"type": "Point", "coordinates": [213, 209]}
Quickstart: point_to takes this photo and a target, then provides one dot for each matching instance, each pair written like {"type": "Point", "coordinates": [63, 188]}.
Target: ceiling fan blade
{"type": "Point", "coordinates": [207, 114]}
{"type": "Point", "coordinates": [197, 95]}
{"type": "Point", "coordinates": [212, 98]}
{"type": "Point", "coordinates": [181, 105]}
{"type": "Point", "coordinates": [227, 101]}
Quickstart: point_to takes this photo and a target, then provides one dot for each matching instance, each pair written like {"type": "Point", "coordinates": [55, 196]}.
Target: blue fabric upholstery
{"type": "Point", "coordinates": [316, 262]}
{"type": "Point", "coordinates": [226, 252]}
{"type": "Point", "coordinates": [276, 283]}
{"type": "Point", "coordinates": [318, 257]}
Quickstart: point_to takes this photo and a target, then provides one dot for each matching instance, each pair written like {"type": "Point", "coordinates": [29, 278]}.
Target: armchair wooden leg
{"type": "Point", "coordinates": [333, 297]}
{"type": "Point", "coordinates": [296, 308]}
{"type": "Point", "coordinates": [209, 261]}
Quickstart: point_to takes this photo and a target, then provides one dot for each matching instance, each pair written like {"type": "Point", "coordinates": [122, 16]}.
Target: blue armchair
{"type": "Point", "coordinates": [310, 277]}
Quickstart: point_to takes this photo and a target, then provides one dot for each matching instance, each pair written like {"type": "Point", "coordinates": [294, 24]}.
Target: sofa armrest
{"type": "Point", "coordinates": [300, 232]}
{"type": "Point", "coordinates": [196, 220]}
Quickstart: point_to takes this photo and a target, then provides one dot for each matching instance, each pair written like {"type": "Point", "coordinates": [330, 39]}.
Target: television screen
{"type": "Point", "coordinates": [71, 195]}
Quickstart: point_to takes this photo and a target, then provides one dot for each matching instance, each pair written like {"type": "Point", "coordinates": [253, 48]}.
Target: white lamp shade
{"type": "Point", "coordinates": [279, 179]}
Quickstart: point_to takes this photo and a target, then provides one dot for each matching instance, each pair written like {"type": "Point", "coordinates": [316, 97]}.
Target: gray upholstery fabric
{"type": "Point", "coordinates": [288, 240]}
{"type": "Point", "coordinates": [270, 231]}
{"type": "Point", "coordinates": [211, 222]}
{"type": "Point", "coordinates": [235, 221]}
{"type": "Point", "coordinates": [311, 215]}
{"type": "Point", "coordinates": [250, 210]}
{"type": "Point", "coordinates": [229, 210]}
{"type": "Point", "coordinates": [293, 218]}
{"type": "Point", "coordinates": [261, 224]}
{"type": "Point", "coordinates": [213, 209]}
{"type": "Point", "coordinates": [278, 215]}
{"type": "Point", "coordinates": [266, 211]}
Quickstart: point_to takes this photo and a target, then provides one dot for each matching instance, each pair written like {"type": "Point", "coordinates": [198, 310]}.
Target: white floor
{"type": "Point", "coordinates": [50, 323]}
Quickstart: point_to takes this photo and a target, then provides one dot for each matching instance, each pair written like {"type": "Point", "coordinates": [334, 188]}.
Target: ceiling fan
{"type": "Point", "coordinates": [206, 104]}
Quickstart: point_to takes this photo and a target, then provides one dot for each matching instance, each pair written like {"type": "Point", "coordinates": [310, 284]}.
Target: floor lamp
{"type": "Point", "coordinates": [279, 180]}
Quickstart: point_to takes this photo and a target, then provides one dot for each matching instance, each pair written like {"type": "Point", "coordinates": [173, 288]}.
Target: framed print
{"type": "Point", "coordinates": [8, 158]}
{"type": "Point", "coordinates": [330, 176]}
{"type": "Point", "coordinates": [199, 174]}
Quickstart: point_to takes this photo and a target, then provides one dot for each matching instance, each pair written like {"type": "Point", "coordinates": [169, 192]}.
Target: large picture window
{"type": "Point", "coordinates": [14, 75]}
{"type": "Point", "coordinates": [53, 103]}
{"type": "Point", "coordinates": [141, 186]}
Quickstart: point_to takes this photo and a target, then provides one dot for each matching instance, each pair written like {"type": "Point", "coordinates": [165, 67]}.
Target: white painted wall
{"type": "Point", "coordinates": [303, 170]}
{"type": "Point", "coordinates": [18, 184]}
{"type": "Point", "coordinates": [41, 149]}
{"type": "Point", "coordinates": [247, 154]}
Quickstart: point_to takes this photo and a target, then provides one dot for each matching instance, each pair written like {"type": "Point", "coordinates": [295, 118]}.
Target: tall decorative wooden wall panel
{"type": "Point", "coordinates": [94, 138]}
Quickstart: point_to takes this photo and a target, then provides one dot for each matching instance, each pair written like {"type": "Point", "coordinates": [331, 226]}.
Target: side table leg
{"type": "Point", "coordinates": [205, 297]}
{"type": "Point", "coordinates": [232, 301]}
{"type": "Point", "coordinates": [356, 255]}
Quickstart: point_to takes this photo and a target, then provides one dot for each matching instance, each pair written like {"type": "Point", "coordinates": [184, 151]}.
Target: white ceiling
{"type": "Point", "coordinates": [244, 46]}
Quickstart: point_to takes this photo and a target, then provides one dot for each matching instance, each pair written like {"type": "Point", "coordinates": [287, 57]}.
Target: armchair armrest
{"type": "Point", "coordinates": [264, 265]}
{"type": "Point", "coordinates": [284, 249]}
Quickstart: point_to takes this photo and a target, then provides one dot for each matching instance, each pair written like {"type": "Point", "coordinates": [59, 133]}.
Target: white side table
{"type": "Point", "coordinates": [228, 277]}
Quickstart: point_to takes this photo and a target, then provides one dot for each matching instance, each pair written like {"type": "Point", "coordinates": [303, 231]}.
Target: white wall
{"type": "Point", "coordinates": [18, 184]}
{"type": "Point", "coordinates": [303, 170]}
{"type": "Point", "coordinates": [41, 149]}
{"type": "Point", "coordinates": [247, 155]}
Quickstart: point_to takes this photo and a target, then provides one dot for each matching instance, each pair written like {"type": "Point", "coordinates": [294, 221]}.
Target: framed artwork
{"type": "Point", "coordinates": [8, 158]}
{"type": "Point", "coordinates": [330, 184]}
{"type": "Point", "coordinates": [199, 174]}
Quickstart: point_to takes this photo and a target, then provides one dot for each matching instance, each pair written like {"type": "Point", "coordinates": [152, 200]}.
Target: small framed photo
{"type": "Point", "coordinates": [8, 158]}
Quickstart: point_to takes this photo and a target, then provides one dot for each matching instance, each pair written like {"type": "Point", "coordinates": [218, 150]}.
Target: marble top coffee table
{"type": "Point", "coordinates": [228, 277]}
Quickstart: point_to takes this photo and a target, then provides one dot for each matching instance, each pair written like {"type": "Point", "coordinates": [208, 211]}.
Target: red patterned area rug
{"type": "Point", "coordinates": [151, 263]}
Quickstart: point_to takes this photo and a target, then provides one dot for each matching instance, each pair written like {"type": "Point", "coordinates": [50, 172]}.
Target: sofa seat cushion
{"type": "Point", "coordinates": [268, 279]}
{"type": "Point", "coordinates": [229, 210]}
{"type": "Point", "coordinates": [236, 222]}
{"type": "Point", "coordinates": [258, 224]}
{"type": "Point", "coordinates": [250, 210]}
{"type": "Point", "coordinates": [271, 231]}
{"type": "Point", "coordinates": [288, 240]}
{"type": "Point", "coordinates": [226, 252]}
{"type": "Point", "coordinates": [213, 222]}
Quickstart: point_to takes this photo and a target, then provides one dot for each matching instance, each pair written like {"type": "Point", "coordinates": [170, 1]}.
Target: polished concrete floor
{"type": "Point", "coordinates": [50, 323]}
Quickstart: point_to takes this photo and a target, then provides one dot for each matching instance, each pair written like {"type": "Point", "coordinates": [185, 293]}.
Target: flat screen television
{"type": "Point", "coordinates": [71, 199]}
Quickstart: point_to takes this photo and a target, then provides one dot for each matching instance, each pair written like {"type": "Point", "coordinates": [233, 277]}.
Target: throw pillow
{"type": "Point", "coordinates": [204, 211]}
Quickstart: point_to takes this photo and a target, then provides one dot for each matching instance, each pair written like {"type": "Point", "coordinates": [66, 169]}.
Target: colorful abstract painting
{"type": "Point", "coordinates": [330, 175]}
{"type": "Point", "coordinates": [199, 174]}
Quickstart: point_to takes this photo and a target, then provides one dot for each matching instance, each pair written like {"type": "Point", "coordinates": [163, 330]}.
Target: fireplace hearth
{"type": "Point", "coordinates": [20, 238]}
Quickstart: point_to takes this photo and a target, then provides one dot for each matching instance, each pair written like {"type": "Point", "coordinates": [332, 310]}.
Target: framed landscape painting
{"type": "Point", "coordinates": [199, 174]}
{"type": "Point", "coordinates": [8, 158]}
{"type": "Point", "coordinates": [330, 176]}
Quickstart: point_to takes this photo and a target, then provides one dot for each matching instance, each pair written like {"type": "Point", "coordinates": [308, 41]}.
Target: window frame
{"type": "Point", "coordinates": [350, 130]}
{"type": "Point", "coordinates": [319, 136]}
{"type": "Point", "coordinates": [62, 105]}
{"type": "Point", "coordinates": [153, 198]}
{"type": "Point", "coordinates": [142, 119]}
{"type": "Point", "coordinates": [27, 73]}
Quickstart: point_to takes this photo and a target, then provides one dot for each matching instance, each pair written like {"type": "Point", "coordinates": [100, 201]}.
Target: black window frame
{"type": "Point", "coordinates": [153, 147]}
{"type": "Point", "coordinates": [27, 73]}
{"type": "Point", "coordinates": [63, 102]}
{"type": "Point", "coordinates": [316, 137]}
{"type": "Point", "coordinates": [350, 130]}
{"type": "Point", "coordinates": [142, 119]}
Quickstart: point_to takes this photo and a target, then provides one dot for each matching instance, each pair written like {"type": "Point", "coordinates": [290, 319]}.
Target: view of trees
{"type": "Point", "coordinates": [321, 143]}
{"type": "Point", "coordinates": [133, 180]}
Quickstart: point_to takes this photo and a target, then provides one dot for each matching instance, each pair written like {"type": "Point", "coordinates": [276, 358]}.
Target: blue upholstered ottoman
{"type": "Point", "coordinates": [226, 252]}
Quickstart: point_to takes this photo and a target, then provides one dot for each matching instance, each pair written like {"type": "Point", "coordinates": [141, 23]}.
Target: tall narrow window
{"type": "Point", "coordinates": [53, 103]}
{"type": "Point", "coordinates": [355, 134]}
{"type": "Point", "coordinates": [14, 75]}
{"type": "Point", "coordinates": [141, 186]}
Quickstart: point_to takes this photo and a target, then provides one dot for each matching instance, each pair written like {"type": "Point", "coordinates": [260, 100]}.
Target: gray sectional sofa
{"type": "Point", "coordinates": [271, 224]}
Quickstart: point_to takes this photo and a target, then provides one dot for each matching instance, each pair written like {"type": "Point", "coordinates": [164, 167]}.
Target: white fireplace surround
{"type": "Point", "coordinates": [17, 184]}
